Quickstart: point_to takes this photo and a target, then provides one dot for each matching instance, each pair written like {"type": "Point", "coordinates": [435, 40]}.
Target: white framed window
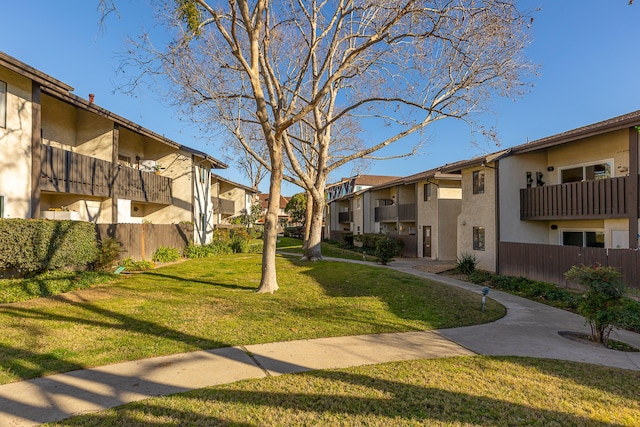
{"type": "Point", "coordinates": [3, 104]}
{"type": "Point", "coordinates": [589, 238]}
{"type": "Point", "coordinates": [203, 175]}
{"type": "Point", "coordinates": [357, 202]}
{"type": "Point", "coordinates": [591, 171]}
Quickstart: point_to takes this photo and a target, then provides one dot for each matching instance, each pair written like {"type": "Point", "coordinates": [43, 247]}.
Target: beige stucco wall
{"type": "Point", "coordinates": [94, 136]}
{"type": "Point", "coordinates": [358, 214]}
{"type": "Point", "coordinates": [613, 145]}
{"type": "Point", "coordinates": [478, 210]}
{"type": "Point", "coordinates": [441, 214]}
{"type": "Point", "coordinates": [15, 140]}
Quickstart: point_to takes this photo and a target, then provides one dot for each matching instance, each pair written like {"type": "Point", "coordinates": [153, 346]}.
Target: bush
{"type": "Point", "coordinates": [131, 265]}
{"type": "Point", "coordinates": [466, 263]}
{"type": "Point", "coordinates": [295, 232]}
{"type": "Point", "coordinates": [166, 254]}
{"type": "Point", "coordinates": [257, 231]}
{"type": "Point", "coordinates": [386, 249]}
{"type": "Point", "coordinates": [255, 248]}
{"type": "Point", "coordinates": [221, 235]}
{"type": "Point", "coordinates": [108, 251]}
{"type": "Point", "coordinates": [33, 246]}
{"type": "Point", "coordinates": [602, 301]}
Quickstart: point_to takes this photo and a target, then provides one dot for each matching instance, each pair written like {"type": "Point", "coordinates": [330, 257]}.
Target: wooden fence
{"type": "Point", "coordinates": [548, 263]}
{"type": "Point", "coordinates": [140, 241]}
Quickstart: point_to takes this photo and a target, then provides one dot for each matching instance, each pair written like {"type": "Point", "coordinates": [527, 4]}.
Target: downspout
{"type": "Point", "coordinates": [497, 186]}
{"type": "Point", "coordinates": [632, 191]}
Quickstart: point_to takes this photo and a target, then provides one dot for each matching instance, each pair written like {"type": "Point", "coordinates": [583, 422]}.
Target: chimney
{"type": "Point", "coordinates": [92, 97]}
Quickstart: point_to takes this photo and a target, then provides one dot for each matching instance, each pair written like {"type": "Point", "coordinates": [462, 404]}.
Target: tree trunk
{"type": "Point", "coordinates": [269, 282]}
{"type": "Point", "coordinates": [313, 252]}
{"type": "Point", "coordinates": [307, 220]}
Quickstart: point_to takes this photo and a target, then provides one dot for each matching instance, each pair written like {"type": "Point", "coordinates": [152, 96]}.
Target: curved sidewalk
{"type": "Point", "coordinates": [528, 329]}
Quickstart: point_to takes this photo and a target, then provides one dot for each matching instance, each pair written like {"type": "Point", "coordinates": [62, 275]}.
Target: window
{"type": "Point", "coordinates": [203, 175]}
{"type": "Point", "coordinates": [478, 182]}
{"type": "Point", "coordinates": [3, 104]}
{"type": "Point", "coordinates": [358, 203]}
{"type": "Point", "coordinates": [478, 238]}
{"type": "Point", "coordinates": [590, 239]}
{"type": "Point", "coordinates": [427, 192]}
{"type": "Point", "coordinates": [587, 172]}
{"type": "Point", "coordinates": [124, 160]}
{"type": "Point", "coordinates": [1, 206]}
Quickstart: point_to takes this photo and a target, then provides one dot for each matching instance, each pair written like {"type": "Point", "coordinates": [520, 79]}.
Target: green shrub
{"type": "Point", "coordinates": [108, 251]}
{"type": "Point", "coordinates": [166, 254]}
{"type": "Point", "coordinates": [602, 301]}
{"type": "Point", "coordinates": [466, 263]}
{"type": "Point", "coordinates": [386, 249]}
{"type": "Point", "coordinates": [33, 246]}
{"type": "Point", "coordinates": [240, 243]}
{"type": "Point", "coordinates": [221, 235]}
{"type": "Point", "coordinates": [131, 265]}
{"type": "Point", "coordinates": [257, 231]}
{"type": "Point", "coordinates": [255, 248]}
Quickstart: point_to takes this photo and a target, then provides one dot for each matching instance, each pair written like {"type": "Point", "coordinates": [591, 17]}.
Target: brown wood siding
{"type": "Point", "coordinates": [548, 263]}
{"type": "Point", "coordinates": [64, 171]}
{"type": "Point", "coordinates": [604, 198]}
{"type": "Point", "coordinates": [140, 241]}
{"type": "Point", "coordinates": [395, 212]}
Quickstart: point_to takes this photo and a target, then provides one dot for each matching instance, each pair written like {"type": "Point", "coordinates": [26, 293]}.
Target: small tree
{"type": "Point", "coordinates": [603, 299]}
{"type": "Point", "coordinates": [297, 208]}
{"type": "Point", "coordinates": [249, 217]}
{"type": "Point", "coordinates": [386, 249]}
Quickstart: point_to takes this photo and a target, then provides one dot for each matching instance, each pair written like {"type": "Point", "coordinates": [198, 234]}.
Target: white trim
{"type": "Point", "coordinates": [583, 165]}
{"type": "Point", "coordinates": [3, 205]}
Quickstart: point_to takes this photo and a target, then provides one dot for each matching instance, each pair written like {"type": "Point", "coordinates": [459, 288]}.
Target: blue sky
{"type": "Point", "coordinates": [585, 50]}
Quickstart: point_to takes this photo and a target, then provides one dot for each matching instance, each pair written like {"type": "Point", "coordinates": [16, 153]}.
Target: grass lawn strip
{"type": "Point", "coordinates": [469, 391]}
{"type": "Point", "coordinates": [211, 303]}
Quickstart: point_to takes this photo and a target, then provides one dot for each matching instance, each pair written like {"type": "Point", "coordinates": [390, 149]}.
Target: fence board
{"type": "Point", "coordinates": [548, 263]}
{"type": "Point", "coordinates": [140, 241]}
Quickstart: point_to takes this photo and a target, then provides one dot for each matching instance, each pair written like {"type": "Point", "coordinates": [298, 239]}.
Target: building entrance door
{"type": "Point", "coordinates": [426, 241]}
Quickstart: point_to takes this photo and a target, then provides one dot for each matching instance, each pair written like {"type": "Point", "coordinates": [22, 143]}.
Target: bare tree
{"type": "Point", "coordinates": [260, 66]}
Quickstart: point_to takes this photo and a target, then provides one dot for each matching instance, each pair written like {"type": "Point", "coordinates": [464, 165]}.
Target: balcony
{"type": "Point", "coordinates": [599, 199]}
{"type": "Point", "coordinates": [406, 212]}
{"type": "Point", "coordinates": [225, 207]}
{"type": "Point", "coordinates": [345, 217]}
{"type": "Point", "coordinates": [64, 171]}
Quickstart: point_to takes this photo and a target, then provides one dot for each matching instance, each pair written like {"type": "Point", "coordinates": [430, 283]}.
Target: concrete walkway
{"type": "Point", "coordinates": [528, 329]}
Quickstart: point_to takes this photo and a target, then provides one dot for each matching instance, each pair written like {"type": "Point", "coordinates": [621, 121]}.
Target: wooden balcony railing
{"type": "Point", "coordinates": [603, 198]}
{"type": "Point", "coordinates": [64, 171]}
{"type": "Point", "coordinates": [226, 207]}
{"type": "Point", "coordinates": [406, 212]}
{"type": "Point", "coordinates": [344, 217]}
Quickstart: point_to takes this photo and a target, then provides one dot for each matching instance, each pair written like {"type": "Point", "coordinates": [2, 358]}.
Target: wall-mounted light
{"type": "Point", "coordinates": [623, 169]}
{"type": "Point", "coordinates": [554, 227]}
{"type": "Point", "coordinates": [550, 168]}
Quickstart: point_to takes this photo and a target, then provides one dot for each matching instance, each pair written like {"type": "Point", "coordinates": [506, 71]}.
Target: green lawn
{"type": "Point", "coordinates": [331, 250]}
{"type": "Point", "coordinates": [211, 303]}
{"type": "Point", "coordinates": [464, 391]}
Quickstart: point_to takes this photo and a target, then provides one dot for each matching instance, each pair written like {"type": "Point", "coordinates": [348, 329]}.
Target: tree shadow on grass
{"type": "Point", "coordinates": [612, 381]}
{"type": "Point", "coordinates": [407, 297]}
{"type": "Point", "coordinates": [106, 319]}
{"type": "Point", "coordinates": [362, 399]}
{"type": "Point", "coordinates": [204, 282]}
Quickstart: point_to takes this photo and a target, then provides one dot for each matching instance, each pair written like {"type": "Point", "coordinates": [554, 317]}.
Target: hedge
{"type": "Point", "coordinates": [34, 246]}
